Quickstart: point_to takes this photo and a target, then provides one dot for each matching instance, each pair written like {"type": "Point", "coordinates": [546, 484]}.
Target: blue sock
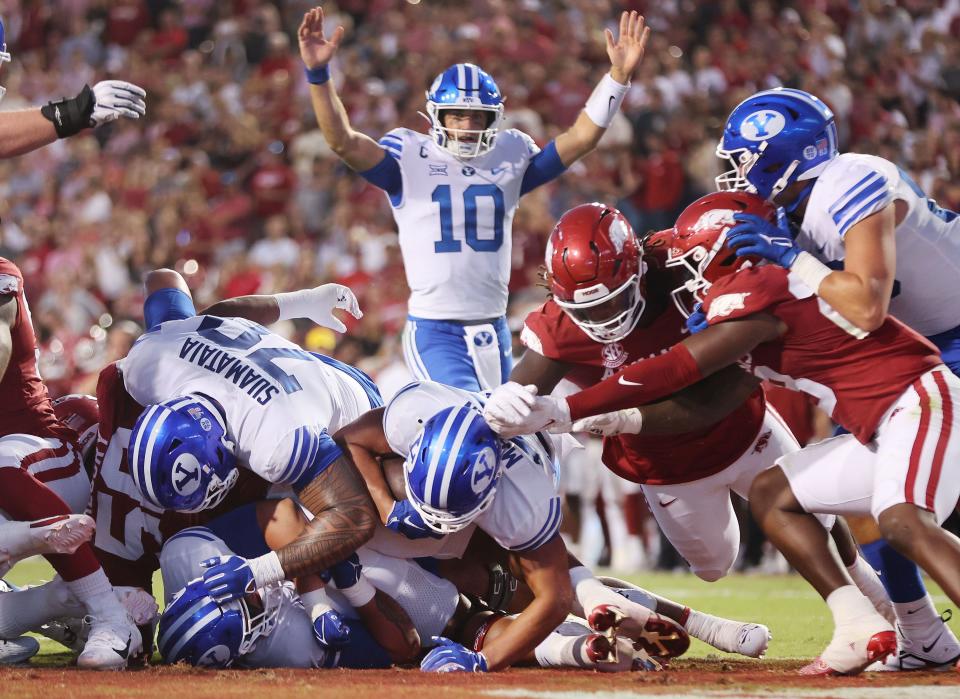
{"type": "Point", "coordinates": [899, 575]}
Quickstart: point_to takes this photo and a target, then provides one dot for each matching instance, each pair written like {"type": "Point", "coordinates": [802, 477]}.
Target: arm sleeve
{"type": "Point", "coordinates": [386, 175]}
{"type": "Point", "coordinates": [543, 167]}
{"type": "Point", "coordinates": [167, 304]}
{"type": "Point", "coordinates": [641, 382]}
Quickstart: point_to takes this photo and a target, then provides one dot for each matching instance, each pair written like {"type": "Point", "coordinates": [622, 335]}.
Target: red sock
{"type": "Point", "coordinates": [26, 499]}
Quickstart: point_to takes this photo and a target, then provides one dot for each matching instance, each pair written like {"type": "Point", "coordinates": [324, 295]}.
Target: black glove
{"type": "Point", "coordinates": [70, 116]}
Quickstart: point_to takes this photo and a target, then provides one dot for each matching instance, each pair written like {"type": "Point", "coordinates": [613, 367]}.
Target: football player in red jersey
{"type": "Point", "coordinates": [25, 130]}
{"type": "Point", "coordinates": [889, 388]}
{"type": "Point", "coordinates": [611, 306]}
{"type": "Point", "coordinates": [37, 454]}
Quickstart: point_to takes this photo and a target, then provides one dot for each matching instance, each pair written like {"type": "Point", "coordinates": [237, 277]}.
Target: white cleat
{"type": "Point", "coordinates": [730, 636]}
{"type": "Point", "coordinates": [937, 649]}
{"type": "Point", "coordinates": [112, 641]}
{"type": "Point", "coordinates": [18, 650]}
{"type": "Point", "coordinates": [854, 647]}
{"type": "Point", "coordinates": [59, 534]}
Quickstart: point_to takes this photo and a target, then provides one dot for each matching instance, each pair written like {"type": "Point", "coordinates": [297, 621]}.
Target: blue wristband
{"type": "Point", "coordinates": [317, 76]}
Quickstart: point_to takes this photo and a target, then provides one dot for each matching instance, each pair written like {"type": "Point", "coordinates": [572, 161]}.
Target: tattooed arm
{"type": "Point", "coordinates": [390, 626]}
{"type": "Point", "coordinates": [344, 518]}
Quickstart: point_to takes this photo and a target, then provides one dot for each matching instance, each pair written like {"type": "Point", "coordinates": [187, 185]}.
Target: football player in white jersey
{"type": "Point", "coordinates": [857, 230]}
{"type": "Point", "coordinates": [454, 193]}
{"type": "Point", "coordinates": [458, 477]}
{"type": "Point", "coordinates": [222, 392]}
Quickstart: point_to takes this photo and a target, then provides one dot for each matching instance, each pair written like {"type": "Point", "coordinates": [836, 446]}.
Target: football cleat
{"type": "Point", "coordinates": [657, 636]}
{"type": "Point", "coordinates": [59, 534]}
{"type": "Point", "coordinates": [112, 641]}
{"type": "Point", "coordinates": [938, 649]}
{"type": "Point", "coordinates": [18, 650]}
{"type": "Point", "coordinates": [853, 648]}
{"type": "Point", "coordinates": [611, 655]}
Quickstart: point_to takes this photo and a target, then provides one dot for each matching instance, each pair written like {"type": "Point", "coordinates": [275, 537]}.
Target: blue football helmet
{"type": "Point", "coordinates": [195, 629]}
{"type": "Point", "coordinates": [452, 470]}
{"type": "Point", "coordinates": [4, 54]}
{"type": "Point", "coordinates": [775, 138]}
{"type": "Point", "coordinates": [464, 86]}
{"type": "Point", "coordinates": [179, 455]}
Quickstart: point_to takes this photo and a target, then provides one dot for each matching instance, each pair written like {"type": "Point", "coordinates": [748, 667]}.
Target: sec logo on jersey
{"type": "Point", "coordinates": [613, 355]}
{"type": "Point", "coordinates": [762, 125]}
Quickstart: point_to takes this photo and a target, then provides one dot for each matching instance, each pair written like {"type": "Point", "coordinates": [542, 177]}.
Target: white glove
{"type": "Point", "coordinates": [318, 304]}
{"type": "Point", "coordinates": [509, 404]}
{"type": "Point", "coordinates": [547, 411]}
{"type": "Point", "coordinates": [113, 99]}
{"type": "Point", "coordinates": [626, 421]}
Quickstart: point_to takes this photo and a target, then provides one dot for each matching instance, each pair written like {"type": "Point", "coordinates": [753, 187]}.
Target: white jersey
{"type": "Point", "coordinates": [926, 295]}
{"type": "Point", "coordinates": [277, 398]}
{"type": "Point", "coordinates": [525, 513]}
{"type": "Point", "coordinates": [455, 220]}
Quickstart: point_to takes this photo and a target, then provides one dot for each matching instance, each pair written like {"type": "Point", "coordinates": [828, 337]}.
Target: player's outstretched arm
{"type": "Point", "coordinates": [316, 304]}
{"type": "Point", "coordinates": [357, 150]}
{"type": "Point", "coordinates": [625, 52]}
{"type": "Point", "coordinates": [546, 573]}
{"type": "Point", "coordinates": [365, 441]}
{"type": "Point", "coordinates": [26, 130]}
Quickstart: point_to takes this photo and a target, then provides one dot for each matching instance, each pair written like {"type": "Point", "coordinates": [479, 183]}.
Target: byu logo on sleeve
{"type": "Point", "coordinates": [483, 469]}
{"type": "Point", "coordinates": [762, 125]}
{"type": "Point", "coordinates": [186, 474]}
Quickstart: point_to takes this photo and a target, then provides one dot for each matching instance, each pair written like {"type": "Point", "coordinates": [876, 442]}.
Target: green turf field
{"type": "Point", "coordinates": [797, 618]}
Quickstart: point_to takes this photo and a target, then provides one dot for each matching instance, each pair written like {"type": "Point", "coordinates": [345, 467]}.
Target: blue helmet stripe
{"type": "Point", "coordinates": [169, 634]}
{"type": "Point", "coordinates": [195, 533]}
{"type": "Point", "coordinates": [143, 448]}
{"type": "Point", "coordinates": [431, 483]}
{"type": "Point", "coordinates": [461, 77]}
{"type": "Point", "coordinates": [211, 615]}
{"type": "Point", "coordinates": [453, 454]}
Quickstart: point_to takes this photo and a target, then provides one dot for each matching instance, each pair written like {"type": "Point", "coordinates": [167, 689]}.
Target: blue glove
{"type": "Point", "coordinates": [448, 656]}
{"type": "Point", "coordinates": [405, 520]}
{"type": "Point", "coordinates": [757, 236]}
{"type": "Point", "coordinates": [330, 631]}
{"type": "Point", "coordinates": [344, 574]}
{"type": "Point", "coordinates": [697, 320]}
{"type": "Point", "coordinates": [227, 578]}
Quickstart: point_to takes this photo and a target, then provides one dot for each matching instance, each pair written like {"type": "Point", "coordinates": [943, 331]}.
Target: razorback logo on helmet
{"type": "Point", "coordinates": [618, 233]}
{"type": "Point", "coordinates": [714, 218]}
{"type": "Point", "coordinates": [725, 305]}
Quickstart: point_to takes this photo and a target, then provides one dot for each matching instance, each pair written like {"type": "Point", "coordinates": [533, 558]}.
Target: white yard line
{"type": "Point", "coordinates": [900, 692]}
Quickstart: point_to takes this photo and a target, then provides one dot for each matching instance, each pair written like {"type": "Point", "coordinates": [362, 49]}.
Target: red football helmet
{"type": "Point", "coordinates": [594, 267]}
{"type": "Point", "coordinates": [698, 246]}
{"type": "Point", "coordinates": [80, 413]}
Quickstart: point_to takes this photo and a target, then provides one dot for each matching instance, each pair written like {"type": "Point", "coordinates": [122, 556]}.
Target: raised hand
{"type": "Point", "coordinates": [315, 49]}
{"type": "Point", "coordinates": [627, 50]}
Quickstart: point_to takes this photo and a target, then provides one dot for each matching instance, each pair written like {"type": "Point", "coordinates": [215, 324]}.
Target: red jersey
{"type": "Point", "coordinates": [653, 459]}
{"type": "Point", "coordinates": [129, 532]}
{"type": "Point", "coordinates": [854, 379]}
{"type": "Point", "coordinates": [25, 407]}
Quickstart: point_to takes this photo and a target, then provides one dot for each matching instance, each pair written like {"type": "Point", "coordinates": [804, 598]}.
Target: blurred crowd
{"type": "Point", "coordinates": [229, 181]}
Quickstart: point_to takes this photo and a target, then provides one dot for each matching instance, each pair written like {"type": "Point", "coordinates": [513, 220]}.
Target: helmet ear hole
{"type": "Point", "coordinates": [174, 443]}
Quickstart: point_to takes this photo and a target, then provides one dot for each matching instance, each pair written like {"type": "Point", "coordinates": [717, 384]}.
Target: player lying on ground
{"type": "Point", "coordinates": [889, 389]}
{"type": "Point", "coordinates": [360, 620]}
{"type": "Point", "coordinates": [462, 183]}
{"type": "Point", "coordinates": [517, 507]}
{"type": "Point", "coordinates": [866, 239]}
{"type": "Point", "coordinates": [611, 304]}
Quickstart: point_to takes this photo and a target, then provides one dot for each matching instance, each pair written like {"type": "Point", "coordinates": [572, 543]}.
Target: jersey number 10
{"type": "Point", "coordinates": [447, 243]}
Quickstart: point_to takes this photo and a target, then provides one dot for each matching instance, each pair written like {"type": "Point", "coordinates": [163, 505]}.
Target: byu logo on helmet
{"type": "Point", "coordinates": [483, 469]}
{"type": "Point", "coordinates": [762, 125]}
{"type": "Point", "coordinates": [186, 474]}
{"type": "Point", "coordinates": [218, 656]}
